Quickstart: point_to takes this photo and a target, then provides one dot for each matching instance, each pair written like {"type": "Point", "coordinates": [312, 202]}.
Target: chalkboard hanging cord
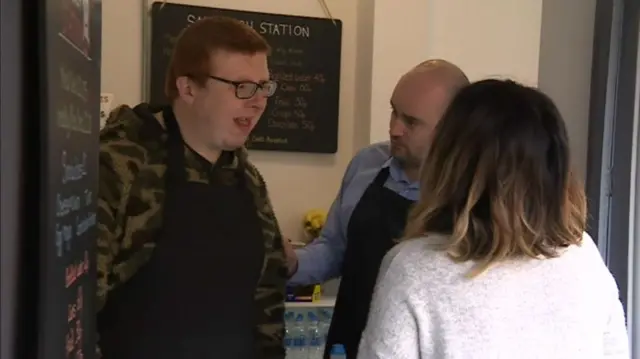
{"type": "Point", "coordinates": [323, 3]}
{"type": "Point", "coordinates": [327, 12]}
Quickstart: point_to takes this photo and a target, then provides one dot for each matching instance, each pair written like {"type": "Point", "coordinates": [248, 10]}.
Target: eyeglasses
{"type": "Point", "coordinates": [247, 89]}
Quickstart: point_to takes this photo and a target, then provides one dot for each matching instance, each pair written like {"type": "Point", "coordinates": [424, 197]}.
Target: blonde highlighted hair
{"type": "Point", "coordinates": [497, 178]}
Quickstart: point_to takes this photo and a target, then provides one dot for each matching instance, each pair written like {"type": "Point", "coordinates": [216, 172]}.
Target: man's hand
{"type": "Point", "coordinates": [290, 254]}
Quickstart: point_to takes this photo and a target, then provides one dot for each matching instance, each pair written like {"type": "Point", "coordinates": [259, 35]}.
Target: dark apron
{"type": "Point", "coordinates": [194, 299]}
{"type": "Point", "coordinates": [377, 221]}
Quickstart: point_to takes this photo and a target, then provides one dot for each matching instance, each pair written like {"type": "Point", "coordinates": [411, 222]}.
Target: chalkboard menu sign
{"type": "Point", "coordinates": [303, 114]}
{"type": "Point", "coordinates": [70, 122]}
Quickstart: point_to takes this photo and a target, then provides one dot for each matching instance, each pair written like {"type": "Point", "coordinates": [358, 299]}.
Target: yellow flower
{"type": "Point", "coordinates": [313, 221]}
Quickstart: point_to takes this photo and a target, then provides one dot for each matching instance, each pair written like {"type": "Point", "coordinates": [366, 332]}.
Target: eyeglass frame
{"type": "Point", "coordinates": [237, 84]}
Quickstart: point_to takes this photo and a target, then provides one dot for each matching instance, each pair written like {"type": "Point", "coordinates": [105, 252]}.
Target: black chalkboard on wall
{"type": "Point", "coordinates": [70, 128]}
{"type": "Point", "coordinates": [303, 114]}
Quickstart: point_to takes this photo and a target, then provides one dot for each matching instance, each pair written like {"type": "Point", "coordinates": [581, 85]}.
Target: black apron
{"type": "Point", "coordinates": [194, 299]}
{"type": "Point", "coordinates": [377, 221]}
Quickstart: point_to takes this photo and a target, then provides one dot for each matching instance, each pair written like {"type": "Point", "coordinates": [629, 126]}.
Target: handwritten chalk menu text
{"type": "Point", "coordinates": [302, 116]}
{"type": "Point", "coordinates": [71, 125]}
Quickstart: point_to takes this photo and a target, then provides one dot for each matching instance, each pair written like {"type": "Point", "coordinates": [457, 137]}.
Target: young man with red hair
{"type": "Point", "coordinates": [190, 260]}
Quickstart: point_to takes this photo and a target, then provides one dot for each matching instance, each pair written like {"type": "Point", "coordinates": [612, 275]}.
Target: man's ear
{"type": "Point", "coordinates": [186, 88]}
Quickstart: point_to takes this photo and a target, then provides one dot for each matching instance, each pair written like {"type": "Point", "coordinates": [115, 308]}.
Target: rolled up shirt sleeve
{"type": "Point", "coordinates": [321, 260]}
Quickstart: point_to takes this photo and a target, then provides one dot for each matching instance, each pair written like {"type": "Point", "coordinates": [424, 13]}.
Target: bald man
{"type": "Point", "coordinates": [378, 188]}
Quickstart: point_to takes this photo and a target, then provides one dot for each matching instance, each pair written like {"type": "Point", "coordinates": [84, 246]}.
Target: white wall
{"type": "Point", "coordinates": [381, 40]}
{"type": "Point", "coordinates": [566, 50]}
{"type": "Point", "coordinates": [485, 38]}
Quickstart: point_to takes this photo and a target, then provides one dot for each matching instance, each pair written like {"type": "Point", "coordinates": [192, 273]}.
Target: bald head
{"type": "Point", "coordinates": [438, 72]}
{"type": "Point", "coordinates": [418, 101]}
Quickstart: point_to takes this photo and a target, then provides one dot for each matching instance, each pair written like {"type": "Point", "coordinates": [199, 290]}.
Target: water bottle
{"type": "Point", "coordinates": [324, 324]}
{"type": "Point", "coordinates": [288, 337]}
{"type": "Point", "coordinates": [338, 352]}
{"type": "Point", "coordinates": [298, 332]}
{"type": "Point", "coordinates": [315, 350]}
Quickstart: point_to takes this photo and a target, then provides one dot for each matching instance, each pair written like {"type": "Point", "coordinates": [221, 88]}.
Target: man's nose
{"type": "Point", "coordinates": [396, 128]}
{"type": "Point", "coordinates": [258, 101]}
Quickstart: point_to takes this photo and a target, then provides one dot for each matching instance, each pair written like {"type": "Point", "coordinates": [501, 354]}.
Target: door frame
{"type": "Point", "coordinates": [611, 159]}
{"type": "Point", "coordinates": [11, 160]}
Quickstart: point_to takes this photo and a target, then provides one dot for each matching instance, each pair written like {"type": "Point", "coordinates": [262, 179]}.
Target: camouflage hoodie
{"type": "Point", "coordinates": [131, 193]}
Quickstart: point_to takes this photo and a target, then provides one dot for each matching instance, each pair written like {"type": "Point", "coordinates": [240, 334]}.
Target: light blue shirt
{"type": "Point", "coordinates": [321, 260]}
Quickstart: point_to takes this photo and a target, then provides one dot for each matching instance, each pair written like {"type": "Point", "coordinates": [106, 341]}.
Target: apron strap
{"type": "Point", "coordinates": [176, 171]}
{"type": "Point", "coordinates": [381, 177]}
{"type": "Point", "coordinates": [176, 167]}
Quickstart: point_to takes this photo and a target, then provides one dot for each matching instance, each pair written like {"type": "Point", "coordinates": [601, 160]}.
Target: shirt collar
{"type": "Point", "coordinates": [398, 175]}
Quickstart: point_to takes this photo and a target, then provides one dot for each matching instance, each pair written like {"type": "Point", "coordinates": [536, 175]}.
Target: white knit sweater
{"type": "Point", "coordinates": [561, 308]}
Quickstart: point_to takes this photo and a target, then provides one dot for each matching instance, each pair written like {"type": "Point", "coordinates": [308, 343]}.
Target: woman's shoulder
{"type": "Point", "coordinates": [426, 245]}
{"type": "Point", "coordinates": [417, 255]}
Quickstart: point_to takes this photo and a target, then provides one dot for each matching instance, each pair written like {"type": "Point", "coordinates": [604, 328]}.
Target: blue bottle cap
{"type": "Point", "coordinates": [338, 349]}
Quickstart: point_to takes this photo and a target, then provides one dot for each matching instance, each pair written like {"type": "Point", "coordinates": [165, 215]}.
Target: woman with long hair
{"type": "Point", "coordinates": [496, 262]}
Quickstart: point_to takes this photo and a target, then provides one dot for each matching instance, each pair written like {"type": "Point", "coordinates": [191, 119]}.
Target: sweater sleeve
{"type": "Point", "coordinates": [392, 330]}
{"type": "Point", "coordinates": [616, 340]}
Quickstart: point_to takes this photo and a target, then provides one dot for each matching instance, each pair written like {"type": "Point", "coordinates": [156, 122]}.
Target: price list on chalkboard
{"type": "Point", "coordinates": [302, 116]}
{"type": "Point", "coordinates": [293, 106]}
{"type": "Point", "coordinates": [71, 124]}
